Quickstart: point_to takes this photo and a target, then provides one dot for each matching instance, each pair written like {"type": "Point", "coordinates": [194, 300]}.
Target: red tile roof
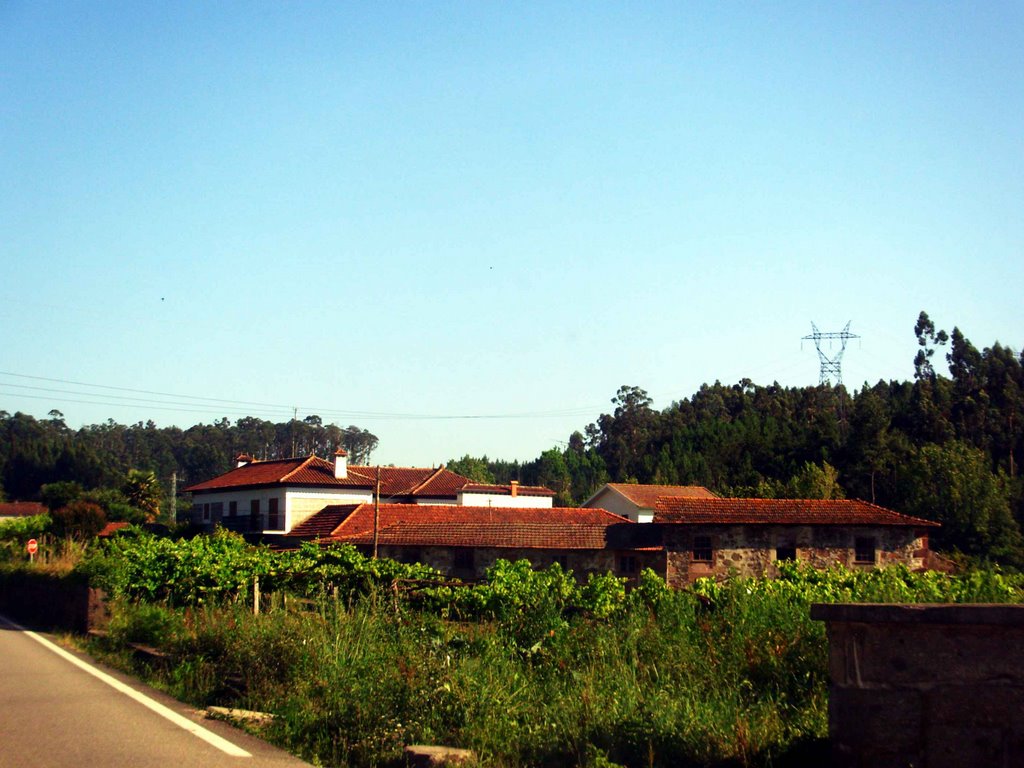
{"type": "Point", "coordinates": [323, 523]}
{"type": "Point", "coordinates": [483, 534]}
{"type": "Point", "coordinates": [506, 490]}
{"type": "Point", "coordinates": [111, 528]}
{"type": "Point", "coordinates": [442, 483]}
{"type": "Point", "coordinates": [395, 482]}
{"type": "Point", "coordinates": [448, 525]}
{"type": "Point", "coordinates": [273, 472]}
{"type": "Point", "coordinates": [646, 496]}
{"type": "Point", "coordinates": [780, 512]}
{"type": "Point", "coordinates": [21, 508]}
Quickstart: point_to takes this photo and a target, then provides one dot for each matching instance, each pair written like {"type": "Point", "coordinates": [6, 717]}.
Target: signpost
{"type": "Point", "coordinates": [32, 547]}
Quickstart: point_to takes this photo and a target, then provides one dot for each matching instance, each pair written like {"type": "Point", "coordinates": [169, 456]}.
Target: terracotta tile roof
{"type": "Point", "coordinates": [111, 528]}
{"type": "Point", "coordinates": [506, 490]}
{"type": "Point", "coordinates": [21, 508]}
{"type": "Point", "coordinates": [443, 483]}
{"type": "Point", "coordinates": [272, 472]}
{"type": "Point", "coordinates": [314, 471]}
{"type": "Point", "coordinates": [484, 534]}
{"type": "Point", "coordinates": [780, 512]}
{"type": "Point", "coordinates": [646, 496]}
{"type": "Point", "coordinates": [323, 523]}
{"type": "Point", "coordinates": [447, 525]}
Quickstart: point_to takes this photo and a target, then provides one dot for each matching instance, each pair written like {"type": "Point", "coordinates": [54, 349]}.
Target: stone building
{"type": "Point", "coordinates": [750, 537]}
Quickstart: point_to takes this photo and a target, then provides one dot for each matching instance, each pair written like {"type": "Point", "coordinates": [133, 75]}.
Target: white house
{"type": "Point", "coordinates": [277, 495]}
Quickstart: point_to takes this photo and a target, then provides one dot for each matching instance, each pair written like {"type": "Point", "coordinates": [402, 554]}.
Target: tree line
{"type": "Point", "coordinates": [35, 453]}
{"type": "Point", "coordinates": [946, 447]}
{"type": "Point", "coordinates": [943, 447]}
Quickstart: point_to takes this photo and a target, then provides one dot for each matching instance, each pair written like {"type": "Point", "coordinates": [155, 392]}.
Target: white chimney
{"type": "Point", "coordinates": [340, 464]}
{"type": "Point", "coordinates": [514, 487]}
{"type": "Point", "coordinates": [242, 459]}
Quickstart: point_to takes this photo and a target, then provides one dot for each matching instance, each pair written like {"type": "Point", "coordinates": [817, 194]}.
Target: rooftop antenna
{"type": "Point", "coordinates": [831, 365]}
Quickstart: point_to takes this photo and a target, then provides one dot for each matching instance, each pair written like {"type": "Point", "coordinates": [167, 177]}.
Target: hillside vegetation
{"type": "Point", "coordinates": [942, 447]}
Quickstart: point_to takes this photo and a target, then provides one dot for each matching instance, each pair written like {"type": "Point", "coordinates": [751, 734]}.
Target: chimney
{"type": "Point", "coordinates": [514, 485]}
{"type": "Point", "coordinates": [340, 464]}
{"type": "Point", "coordinates": [242, 459]}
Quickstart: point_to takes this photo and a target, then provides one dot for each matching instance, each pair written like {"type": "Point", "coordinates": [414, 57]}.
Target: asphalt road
{"type": "Point", "coordinates": [54, 711]}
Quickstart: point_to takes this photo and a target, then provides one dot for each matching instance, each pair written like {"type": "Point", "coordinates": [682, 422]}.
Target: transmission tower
{"type": "Point", "coordinates": [831, 365]}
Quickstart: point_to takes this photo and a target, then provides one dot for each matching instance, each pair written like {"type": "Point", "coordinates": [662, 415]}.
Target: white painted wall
{"type": "Point", "coordinates": [295, 504]}
{"type": "Point", "coordinates": [303, 503]}
{"type": "Point", "coordinates": [618, 504]}
{"type": "Point", "coordinates": [502, 500]}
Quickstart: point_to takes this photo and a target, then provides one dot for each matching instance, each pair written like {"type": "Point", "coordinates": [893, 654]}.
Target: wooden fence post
{"type": "Point", "coordinates": [255, 595]}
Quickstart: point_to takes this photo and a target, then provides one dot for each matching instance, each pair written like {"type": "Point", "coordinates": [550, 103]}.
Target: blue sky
{"type": "Point", "coordinates": [386, 212]}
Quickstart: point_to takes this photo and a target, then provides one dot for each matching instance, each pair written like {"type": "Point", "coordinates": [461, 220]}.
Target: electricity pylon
{"type": "Point", "coordinates": [831, 365]}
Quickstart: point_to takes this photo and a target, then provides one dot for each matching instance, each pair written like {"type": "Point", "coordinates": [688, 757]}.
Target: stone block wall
{"type": "Point", "coordinates": [750, 550]}
{"type": "Point", "coordinates": [927, 686]}
{"type": "Point", "coordinates": [43, 600]}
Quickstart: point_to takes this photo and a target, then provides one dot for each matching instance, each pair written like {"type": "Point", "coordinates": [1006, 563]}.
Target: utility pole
{"type": "Point", "coordinates": [174, 497]}
{"type": "Point", "coordinates": [376, 513]}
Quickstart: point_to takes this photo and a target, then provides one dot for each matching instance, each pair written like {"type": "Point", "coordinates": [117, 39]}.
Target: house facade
{"type": "Point", "coordinates": [751, 537]}
{"type": "Point", "coordinates": [277, 495]}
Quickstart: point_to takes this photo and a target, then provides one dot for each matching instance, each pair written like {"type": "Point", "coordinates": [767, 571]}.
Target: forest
{"type": "Point", "coordinates": [943, 446]}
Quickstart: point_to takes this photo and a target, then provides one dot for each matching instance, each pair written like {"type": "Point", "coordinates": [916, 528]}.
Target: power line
{"type": "Point", "coordinates": [243, 406]}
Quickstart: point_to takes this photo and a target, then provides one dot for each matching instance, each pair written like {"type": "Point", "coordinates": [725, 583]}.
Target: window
{"type": "Point", "coordinates": [702, 551]}
{"type": "Point", "coordinates": [255, 518]}
{"type": "Point", "coordinates": [627, 564]}
{"type": "Point", "coordinates": [197, 512]}
{"type": "Point", "coordinates": [463, 560]}
{"type": "Point", "coordinates": [206, 512]}
{"type": "Point", "coordinates": [217, 510]}
{"type": "Point", "coordinates": [562, 560]}
{"type": "Point", "coordinates": [273, 516]}
{"type": "Point", "coordinates": [864, 550]}
{"type": "Point", "coordinates": [232, 508]}
{"type": "Point", "coordinates": [785, 552]}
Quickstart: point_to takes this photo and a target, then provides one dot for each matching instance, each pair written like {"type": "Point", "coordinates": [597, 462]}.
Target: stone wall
{"type": "Point", "coordinates": [42, 600]}
{"type": "Point", "coordinates": [751, 550]}
{"type": "Point", "coordinates": [928, 686]}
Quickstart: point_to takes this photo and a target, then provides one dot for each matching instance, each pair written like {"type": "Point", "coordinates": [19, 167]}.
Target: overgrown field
{"type": "Point", "coordinates": [527, 668]}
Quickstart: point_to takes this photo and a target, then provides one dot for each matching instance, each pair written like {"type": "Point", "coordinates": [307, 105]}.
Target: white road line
{"type": "Point", "coordinates": [182, 722]}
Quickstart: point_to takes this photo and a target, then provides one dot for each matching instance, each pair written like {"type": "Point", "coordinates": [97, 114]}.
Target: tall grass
{"type": "Point", "coordinates": [684, 685]}
{"type": "Point", "coordinates": [731, 674]}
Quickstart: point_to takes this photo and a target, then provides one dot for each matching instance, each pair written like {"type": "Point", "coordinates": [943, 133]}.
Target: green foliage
{"type": "Point", "coordinates": [24, 528]}
{"type": "Point", "coordinates": [60, 494]}
{"type": "Point", "coordinates": [475, 469]}
{"type": "Point", "coordinates": [15, 533]}
{"type": "Point", "coordinates": [142, 490]}
{"type": "Point", "coordinates": [815, 482]}
{"type": "Point", "coordinates": [79, 519]}
{"type": "Point", "coordinates": [954, 485]}
{"type": "Point", "coordinates": [724, 673]}
{"type": "Point", "coordinates": [115, 505]}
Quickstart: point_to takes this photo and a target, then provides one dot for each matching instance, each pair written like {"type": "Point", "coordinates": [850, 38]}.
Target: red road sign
{"type": "Point", "coordinates": [32, 547]}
